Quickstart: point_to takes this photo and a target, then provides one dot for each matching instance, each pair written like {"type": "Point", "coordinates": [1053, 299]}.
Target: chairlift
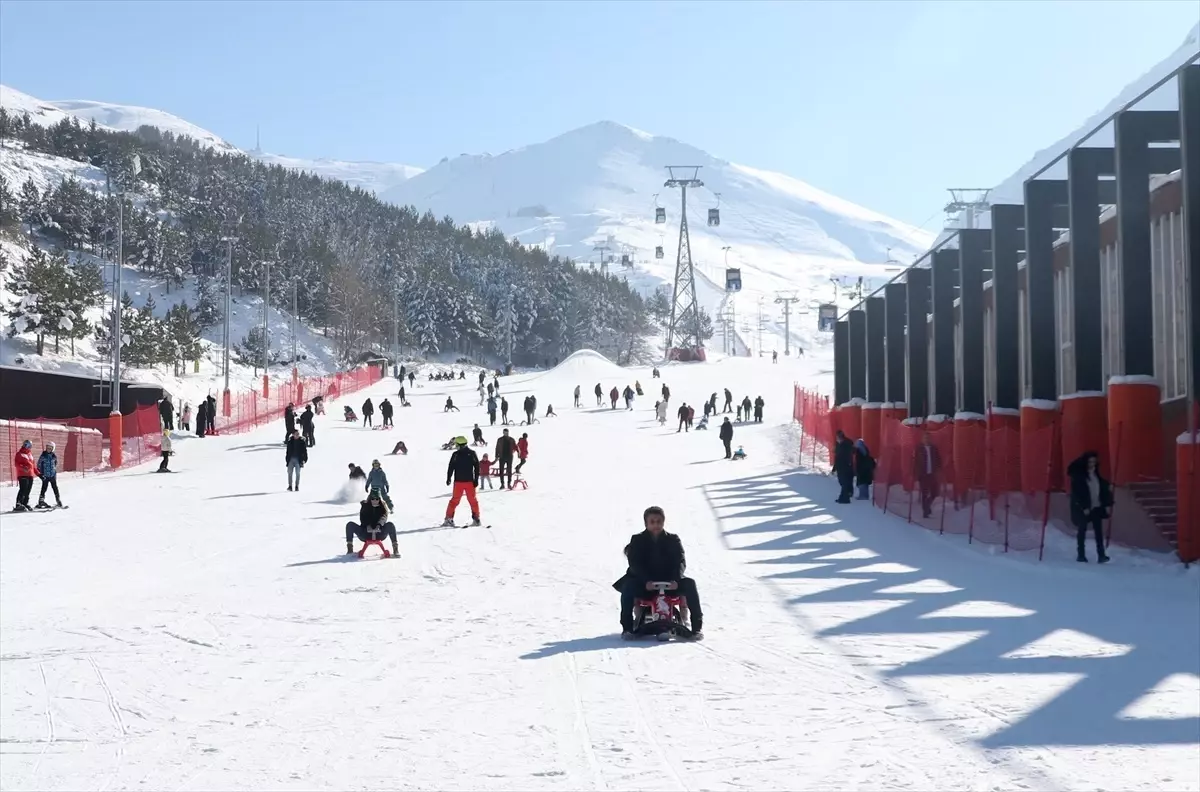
{"type": "Point", "coordinates": [625, 262]}
{"type": "Point", "coordinates": [660, 214]}
{"type": "Point", "coordinates": [714, 214]}
{"type": "Point", "coordinates": [733, 280]}
{"type": "Point", "coordinates": [658, 251]}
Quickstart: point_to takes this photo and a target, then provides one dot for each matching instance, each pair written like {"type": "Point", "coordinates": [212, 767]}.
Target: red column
{"type": "Point", "coordinates": [1085, 428]}
{"type": "Point", "coordinates": [1038, 450]}
{"type": "Point", "coordinates": [850, 419]}
{"type": "Point", "coordinates": [1187, 493]}
{"type": "Point", "coordinates": [1134, 429]}
{"type": "Point", "coordinates": [1004, 450]}
{"type": "Point", "coordinates": [970, 443]}
{"type": "Point", "coordinates": [116, 455]}
{"type": "Point", "coordinates": [872, 421]}
{"type": "Point", "coordinates": [266, 387]}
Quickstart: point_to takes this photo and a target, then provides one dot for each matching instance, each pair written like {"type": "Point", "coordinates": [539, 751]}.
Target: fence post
{"type": "Point", "coordinates": [115, 452]}
{"type": "Point", "coordinates": [1113, 488]}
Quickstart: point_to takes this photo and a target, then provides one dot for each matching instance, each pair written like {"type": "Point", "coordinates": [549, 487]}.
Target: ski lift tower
{"type": "Point", "coordinates": [968, 203]}
{"type": "Point", "coordinates": [683, 333]}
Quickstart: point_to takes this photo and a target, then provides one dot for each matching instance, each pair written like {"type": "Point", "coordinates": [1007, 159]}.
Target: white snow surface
{"type": "Point", "coordinates": [217, 638]}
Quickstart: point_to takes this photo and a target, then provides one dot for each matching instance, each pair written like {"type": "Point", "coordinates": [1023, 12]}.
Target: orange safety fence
{"type": "Point", "coordinates": [82, 444]}
{"type": "Point", "coordinates": [811, 410]}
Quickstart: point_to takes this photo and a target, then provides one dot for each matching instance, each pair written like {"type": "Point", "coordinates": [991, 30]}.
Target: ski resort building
{"type": "Point", "coordinates": [1069, 324]}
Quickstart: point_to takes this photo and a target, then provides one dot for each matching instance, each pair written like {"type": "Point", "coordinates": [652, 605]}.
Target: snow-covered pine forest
{"type": "Point", "coordinates": [353, 258]}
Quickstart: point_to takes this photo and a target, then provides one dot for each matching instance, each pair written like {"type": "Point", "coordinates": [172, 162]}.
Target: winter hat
{"type": "Point", "coordinates": [374, 494]}
{"type": "Point", "coordinates": [374, 463]}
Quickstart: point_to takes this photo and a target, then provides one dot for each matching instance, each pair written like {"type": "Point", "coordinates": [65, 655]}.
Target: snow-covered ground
{"type": "Point", "coordinates": [215, 637]}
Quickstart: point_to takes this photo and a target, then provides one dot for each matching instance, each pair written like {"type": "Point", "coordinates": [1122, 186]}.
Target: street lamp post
{"type": "Point", "coordinates": [227, 407]}
{"type": "Point", "coordinates": [266, 382]}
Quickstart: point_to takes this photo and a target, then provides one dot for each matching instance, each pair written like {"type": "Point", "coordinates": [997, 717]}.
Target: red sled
{"type": "Point", "coordinates": [663, 616]}
{"type": "Point", "coordinates": [378, 543]}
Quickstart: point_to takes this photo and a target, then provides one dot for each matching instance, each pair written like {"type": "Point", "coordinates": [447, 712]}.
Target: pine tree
{"type": "Point", "coordinates": [30, 206]}
{"type": "Point", "coordinates": [182, 337]}
{"type": "Point", "coordinates": [32, 286]}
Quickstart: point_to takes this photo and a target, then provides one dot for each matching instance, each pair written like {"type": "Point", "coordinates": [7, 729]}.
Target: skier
{"type": "Point", "coordinates": [25, 470]}
{"type": "Point", "coordinates": [485, 472]}
{"type": "Point", "coordinates": [613, 395]}
{"type": "Point", "coordinates": [504, 411]}
{"type": "Point", "coordinates": [385, 410]}
{"type": "Point", "coordinates": [356, 472]}
{"type": "Point", "coordinates": [758, 409]}
{"type": "Point", "coordinates": [726, 435]}
{"type": "Point", "coordinates": [577, 396]}
{"type": "Point", "coordinates": [377, 481]}
{"type": "Point", "coordinates": [491, 410]}
{"type": "Point", "coordinates": [47, 470]}
{"type": "Point", "coordinates": [306, 424]}
{"type": "Point", "coordinates": [185, 420]}
{"type": "Point", "coordinates": [656, 555]}
{"type": "Point", "coordinates": [506, 446]}
{"type": "Point", "coordinates": [289, 421]}
{"type": "Point", "coordinates": [166, 411]}
{"type": "Point", "coordinates": [599, 394]}
{"type": "Point", "coordinates": [683, 418]}
{"type": "Point", "coordinates": [166, 451]}
{"type": "Point", "coordinates": [522, 451]}
{"type": "Point", "coordinates": [368, 411]}
{"type": "Point", "coordinates": [728, 401]}
{"type": "Point", "coordinates": [295, 456]}
{"type": "Point", "coordinates": [372, 521]}
{"type": "Point", "coordinates": [464, 469]}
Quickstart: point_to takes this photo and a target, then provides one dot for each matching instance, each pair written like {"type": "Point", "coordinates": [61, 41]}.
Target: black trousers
{"type": "Point", "coordinates": [506, 471]}
{"type": "Point", "coordinates": [929, 491]}
{"type": "Point", "coordinates": [387, 420]}
{"type": "Point", "coordinates": [492, 418]}
{"type": "Point", "coordinates": [846, 481]}
{"type": "Point", "coordinates": [1094, 518]}
{"type": "Point", "coordinates": [309, 438]}
{"type": "Point", "coordinates": [634, 588]}
{"type": "Point", "coordinates": [368, 419]}
{"type": "Point", "coordinates": [520, 464]}
{"type": "Point", "coordinates": [168, 420]}
{"type": "Point", "coordinates": [51, 482]}
{"type": "Point", "coordinates": [24, 487]}
{"type": "Point", "coordinates": [728, 450]}
{"type": "Point", "coordinates": [353, 529]}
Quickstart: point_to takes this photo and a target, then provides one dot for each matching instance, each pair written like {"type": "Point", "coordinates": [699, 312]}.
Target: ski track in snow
{"type": "Point", "coordinates": [205, 631]}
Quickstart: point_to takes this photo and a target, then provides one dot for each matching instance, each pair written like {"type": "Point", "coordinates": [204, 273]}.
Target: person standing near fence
{"type": "Point", "coordinates": [843, 466]}
{"type": "Point", "coordinates": [166, 411]}
{"type": "Point", "coordinates": [1091, 499]}
{"type": "Point", "coordinates": [864, 469]}
{"type": "Point", "coordinates": [24, 469]}
{"type": "Point", "coordinates": [295, 457]}
{"type": "Point", "coordinates": [47, 470]}
{"type": "Point", "coordinates": [306, 424]}
{"type": "Point", "coordinates": [185, 418]}
{"type": "Point", "coordinates": [927, 467]}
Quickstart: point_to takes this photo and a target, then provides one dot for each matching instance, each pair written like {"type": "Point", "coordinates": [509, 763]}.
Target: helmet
{"type": "Point", "coordinates": [50, 446]}
{"type": "Point", "coordinates": [460, 440]}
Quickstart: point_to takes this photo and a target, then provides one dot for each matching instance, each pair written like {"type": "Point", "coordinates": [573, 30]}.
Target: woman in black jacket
{"type": "Point", "coordinates": [843, 466]}
{"type": "Point", "coordinates": [864, 469]}
{"type": "Point", "coordinates": [1091, 500]}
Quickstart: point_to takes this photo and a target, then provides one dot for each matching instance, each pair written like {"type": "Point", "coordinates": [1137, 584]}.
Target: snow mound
{"type": "Point", "coordinates": [588, 366]}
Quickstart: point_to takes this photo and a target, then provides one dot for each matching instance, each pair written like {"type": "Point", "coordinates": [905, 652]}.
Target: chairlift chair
{"type": "Point", "coordinates": [658, 251]}
{"type": "Point", "coordinates": [625, 262]}
{"type": "Point", "coordinates": [714, 217]}
{"type": "Point", "coordinates": [660, 214]}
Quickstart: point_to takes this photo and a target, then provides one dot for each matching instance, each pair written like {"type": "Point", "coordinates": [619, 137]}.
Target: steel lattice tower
{"type": "Point", "coordinates": [684, 329]}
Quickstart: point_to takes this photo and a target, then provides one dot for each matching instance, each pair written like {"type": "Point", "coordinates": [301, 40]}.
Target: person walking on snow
{"type": "Point", "coordinates": [385, 410]}
{"type": "Point", "coordinates": [24, 469]}
{"type": "Point", "coordinates": [927, 466]}
{"type": "Point", "coordinates": [1091, 500]}
{"type": "Point", "coordinates": [412, 375]}
{"type": "Point", "coordinates": [491, 410]}
{"type": "Point", "coordinates": [372, 522]}
{"type": "Point", "coordinates": [628, 398]}
{"type": "Point", "coordinates": [166, 411]}
{"type": "Point", "coordinates": [746, 408]}
{"type": "Point", "coordinates": [504, 411]}
{"type": "Point", "coordinates": [295, 456]}
{"type": "Point", "coordinates": [758, 409]}
{"type": "Point", "coordinates": [306, 425]}
{"type": "Point", "coordinates": [377, 480]}
{"type": "Point", "coordinates": [613, 395]}
{"type": "Point", "coordinates": [464, 469]}
{"type": "Point", "coordinates": [506, 447]}
{"type": "Point", "coordinates": [368, 411]}
{"type": "Point", "coordinates": [289, 421]}
{"type": "Point", "coordinates": [599, 395]}
{"type": "Point", "coordinates": [166, 452]}
{"type": "Point", "coordinates": [47, 470]}
{"type": "Point", "coordinates": [482, 398]}
{"type": "Point", "coordinates": [726, 435]}
{"type": "Point", "coordinates": [522, 451]}
{"type": "Point", "coordinates": [185, 420]}
{"type": "Point", "coordinates": [577, 396]}
{"type": "Point", "coordinates": [864, 468]}
{"type": "Point", "coordinates": [843, 466]}
{"type": "Point", "coordinates": [683, 418]}
{"type": "Point", "coordinates": [728, 401]}
{"type": "Point", "coordinates": [660, 410]}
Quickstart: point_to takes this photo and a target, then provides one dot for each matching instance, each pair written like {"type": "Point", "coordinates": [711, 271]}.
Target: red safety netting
{"type": "Point", "coordinates": [83, 444]}
{"type": "Point", "coordinates": [811, 410]}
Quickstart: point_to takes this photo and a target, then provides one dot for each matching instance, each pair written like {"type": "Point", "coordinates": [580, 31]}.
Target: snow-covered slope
{"type": "Point", "coordinates": [128, 118]}
{"type": "Point", "coordinates": [205, 630]}
{"type": "Point", "coordinates": [596, 185]}
{"type": "Point", "coordinates": [376, 177]}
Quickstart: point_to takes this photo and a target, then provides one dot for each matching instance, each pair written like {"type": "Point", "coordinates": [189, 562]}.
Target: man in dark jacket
{"type": "Point", "coordinates": [1091, 502]}
{"type": "Point", "coordinates": [927, 465]}
{"type": "Point", "coordinates": [728, 401]}
{"type": "Point", "coordinates": [726, 435]}
{"type": "Point", "coordinates": [211, 401]}
{"type": "Point", "coordinates": [506, 448]}
{"type": "Point", "coordinates": [385, 410]}
{"type": "Point", "coordinates": [306, 425]}
{"type": "Point", "coordinates": [372, 523]}
{"type": "Point", "coordinates": [843, 466]}
{"type": "Point", "coordinates": [758, 409]}
{"type": "Point", "coordinates": [683, 418]}
{"type": "Point", "coordinates": [368, 411]}
{"type": "Point", "coordinates": [289, 421]}
{"type": "Point", "coordinates": [464, 469]}
{"type": "Point", "coordinates": [166, 411]}
{"type": "Point", "coordinates": [295, 456]}
{"type": "Point", "coordinates": [656, 556]}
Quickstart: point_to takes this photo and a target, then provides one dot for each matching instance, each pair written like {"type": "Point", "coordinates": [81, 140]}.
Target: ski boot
{"type": "Point", "coordinates": [475, 521]}
{"type": "Point", "coordinates": [43, 505]}
{"type": "Point", "coordinates": [448, 522]}
{"type": "Point", "coordinates": [349, 548]}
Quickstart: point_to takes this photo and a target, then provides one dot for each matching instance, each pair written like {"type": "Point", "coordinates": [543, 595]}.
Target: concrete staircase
{"type": "Point", "coordinates": [1157, 499]}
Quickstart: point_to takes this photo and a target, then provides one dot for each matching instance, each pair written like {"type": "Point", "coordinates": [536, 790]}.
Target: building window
{"type": "Point", "coordinates": [1023, 345]}
{"type": "Point", "coordinates": [958, 365]}
{"type": "Point", "coordinates": [930, 391]}
{"type": "Point", "coordinates": [1112, 343]}
{"type": "Point", "coordinates": [989, 355]}
{"type": "Point", "coordinates": [1064, 328]}
{"type": "Point", "coordinates": [1170, 325]}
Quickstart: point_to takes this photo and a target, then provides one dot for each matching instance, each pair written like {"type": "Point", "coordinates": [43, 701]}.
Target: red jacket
{"type": "Point", "coordinates": [485, 467]}
{"type": "Point", "coordinates": [522, 448]}
{"type": "Point", "coordinates": [23, 462]}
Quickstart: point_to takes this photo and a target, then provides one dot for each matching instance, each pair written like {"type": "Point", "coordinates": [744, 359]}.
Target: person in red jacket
{"type": "Point", "coordinates": [26, 469]}
{"type": "Point", "coordinates": [522, 451]}
{"type": "Point", "coordinates": [485, 472]}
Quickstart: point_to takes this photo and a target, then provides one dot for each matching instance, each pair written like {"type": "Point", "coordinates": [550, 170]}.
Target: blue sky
{"type": "Point", "coordinates": [882, 103]}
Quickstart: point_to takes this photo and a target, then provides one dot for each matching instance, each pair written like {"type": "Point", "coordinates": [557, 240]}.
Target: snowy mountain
{"type": "Point", "coordinates": [596, 186]}
{"type": "Point", "coordinates": [376, 177]}
{"type": "Point", "coordinates": [127, 118]}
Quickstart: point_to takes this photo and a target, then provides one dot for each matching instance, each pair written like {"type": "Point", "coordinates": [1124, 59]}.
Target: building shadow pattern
{"type": "Point", "coordinates": [792, 517]}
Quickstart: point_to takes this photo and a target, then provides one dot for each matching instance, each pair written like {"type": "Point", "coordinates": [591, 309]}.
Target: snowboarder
{"type": "Point", "coordinates": [506, 447]}
{"type": "Point", "coordinates": [166, 451]}
{"type": "Point", "coordinates": [385, 410]}
{"type": "Point", "coordinates": [464, 469]}
{"type": "Point", "coordinates": [477, 436]}
{"type": "Point", "coordinates": [726, 435]}
{"type": "Point", "coordinates": [368, 411]}
{"type": "Point", "coordinates": [377, 480]}
{"type": "Point", "coordinates": [25, 470]}
{"type": "Point", "coordinates": [655, 555]}
{"type": "Point", "coordinates": [295, 456]}
{"type": "Point", "coordinates": [47, 470]}
{"type": "Point", "coordinates": [372, 521]}
{"type": "Point", "coordinates": [577, 396]}
{"type": "Point", "coordinates": [289, 421]}
{"type": "Point", "coordinates": [522, 451]}
{"type": "Point", "coordinates": [306, 425]}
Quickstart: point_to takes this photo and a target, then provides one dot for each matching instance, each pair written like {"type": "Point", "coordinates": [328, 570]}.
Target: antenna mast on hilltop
{"type": "Point", "coordinates": [683, 333]}
{"type": "Point", "coordinates": [970, 201]}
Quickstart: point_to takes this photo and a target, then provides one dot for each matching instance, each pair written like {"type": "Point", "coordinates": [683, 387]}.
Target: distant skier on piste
{"type": "Point", "coordinates": [576, 395]}
{"type": "Point", "coordinates": [464, 470]}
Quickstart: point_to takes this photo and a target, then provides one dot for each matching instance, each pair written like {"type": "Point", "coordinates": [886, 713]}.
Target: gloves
{"type": "Point", "coordinates": [447, 482]}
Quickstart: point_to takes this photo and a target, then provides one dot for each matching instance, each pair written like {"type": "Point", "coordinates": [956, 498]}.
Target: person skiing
{"type": "Point", "coordinates": [385, 410]}
{"type": "Point", "coordinates": [185, 420]}
{"type": "Point", "coordinates": [377, 480]}
{"type": "Point", "coordinates": [577, 396]}
{"type": "Point", "coordinates": [506, 446]}
{"type": "Point", "coordinates": [372, 521]}
{"type": "Point", "coordinates": [682, 413]}
{"type": "Point", "coordinates": [24, 469]}
{"type": "Point", "coordinates": [464, 469]}
{"type": "Point", "coordinates": [613, 395]}
{"type": "Point", "coordinates": [758, 409]}
{"type": "Point", "coordinates": [47, 470]}
{"type": "Point", "coordinates": [599, 394]}
{"type": "Point", "coordinates": [726, 435]}
{"type": "Point", "coordinates": [654, 555]}
{"type": "Point", "coordinates": [306, 425]}
{"type": "Point", "coordinates": [485, 472]}
{"type": "Point", "coordinates": [295, 456]}
{"type": "Point", "coordinates": [522, 451]}
{"type": "Point", "coordinates": [450, 405]}
{"type": "Point", "coordinates": [166, 451]}
{"type": "Point", "coordinates": [368, 411]}
{"type": "Point", "coordinates": [504, 411]}
{"type": "Point", "coordinates": [166, 411]}
{"type": "Point", "coordinates": [477, 436]}
{"type": "Point", "coordinates": [356, 472]}
{"type": "Point", "coordinates": [289, 421]}
{"type": "Point", "coordinates": [491, 410]}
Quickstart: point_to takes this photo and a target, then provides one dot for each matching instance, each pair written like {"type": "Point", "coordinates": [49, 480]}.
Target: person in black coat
{"type": "Point", "coordinates": [166, 411]}
{"type": "Point", "coordinates": [372, 523]}
{"type": "Point", "coordinates": [927, 467]}
{"type": "Point", "coordinates": [464, 469]}
{"type": "Point", "coordinates": [758, 409]}
{"type": "Point", "coordinates": [656, 556]}
{"type": "Point", "coordinates": [864, 469]}
{"type": "Point", "coordinates": [368, 411]}
{"type": "Point", "coordinates": [385, 410]}
{"type": "Point", "coordinates": [726, 435]}
{"type": "Point", "coordinates": [211, 401]}
{"type": "Point", "coordinates": [843, 466]}
{"type": "Point", "coordinates": [289, 421]}
{"type": "Point", "coordinates": [1091, 502]}
{"type": "Point", "coordinates": [295, 456]}
{"type": "Point", "coordinates": [306, 425]}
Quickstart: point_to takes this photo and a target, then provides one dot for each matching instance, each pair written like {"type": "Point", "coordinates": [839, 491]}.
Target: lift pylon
{"type": "Point", "coordinates": [683, 333]}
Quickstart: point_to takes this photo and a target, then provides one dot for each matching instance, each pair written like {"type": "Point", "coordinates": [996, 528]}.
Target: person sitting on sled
{"type": "Point", "coordinates": [739, 454]}
{"type": "Point", "coordinates": [372, 523]}
{"type": "Point", "coordinates": [348, 414]}
{"type": "Point", "coordinates": [655, 555]}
